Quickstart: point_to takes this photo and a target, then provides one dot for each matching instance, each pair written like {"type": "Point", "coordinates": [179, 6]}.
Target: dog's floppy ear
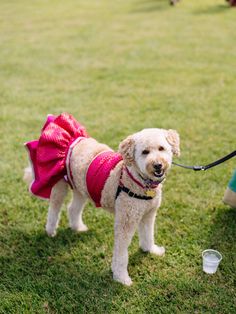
{"type": "Point", "coordinates": [173, 139]}
{"type": "Point", "coordinates": [126, 149]}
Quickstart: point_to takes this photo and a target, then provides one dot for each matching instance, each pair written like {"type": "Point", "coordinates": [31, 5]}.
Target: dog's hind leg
{"type": "Point", "coordinates": [75, 211]}
{"type": "Point", "coordinates": [58, 194]}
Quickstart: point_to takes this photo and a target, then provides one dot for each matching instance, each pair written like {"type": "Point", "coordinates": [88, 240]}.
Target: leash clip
{"type": "Point", "coordinates": [199, 168]}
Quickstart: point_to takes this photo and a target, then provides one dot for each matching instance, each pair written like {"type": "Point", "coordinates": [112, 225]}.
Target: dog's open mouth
{"type": "Point", "coordinates": [159, 177]}
{"type": "Point", "coordinates": [158, 174]}
{"type": "Point", "coordinates": [153, 178]}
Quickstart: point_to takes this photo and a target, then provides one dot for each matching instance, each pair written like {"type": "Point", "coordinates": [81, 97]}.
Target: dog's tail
{"type": "Point", "coordinates": [28, 175]}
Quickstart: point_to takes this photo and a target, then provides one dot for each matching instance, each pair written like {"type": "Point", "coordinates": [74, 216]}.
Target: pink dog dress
{"type": "Point", "coordinates": [50, 158]}
{"type": "Point", "coordinates": [98, 173]}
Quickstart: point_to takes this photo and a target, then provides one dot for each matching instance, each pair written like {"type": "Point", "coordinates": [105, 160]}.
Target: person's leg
{"type": "Point", "coordinates": [230, 193]}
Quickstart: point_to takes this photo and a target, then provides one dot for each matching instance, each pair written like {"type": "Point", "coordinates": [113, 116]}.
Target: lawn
{"type": "Point", "coordinates": [118, 67]}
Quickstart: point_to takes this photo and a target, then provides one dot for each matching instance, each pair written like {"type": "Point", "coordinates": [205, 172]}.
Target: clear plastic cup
{"type": "Point", "coordinates": [211, 261]}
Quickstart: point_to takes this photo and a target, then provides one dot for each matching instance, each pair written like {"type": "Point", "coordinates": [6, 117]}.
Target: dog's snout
{"type": "Point", "coordinates": [157, 167]}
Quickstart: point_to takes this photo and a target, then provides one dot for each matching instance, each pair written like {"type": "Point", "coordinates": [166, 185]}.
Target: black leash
{"type": "Point", "coordinates": [213, 164]}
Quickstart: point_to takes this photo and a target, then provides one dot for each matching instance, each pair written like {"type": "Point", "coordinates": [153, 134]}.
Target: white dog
{"type": "Point", "coordinates": [132, 190]}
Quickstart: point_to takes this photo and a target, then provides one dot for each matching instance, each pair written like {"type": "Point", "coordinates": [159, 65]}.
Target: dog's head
{"type": "Point", "coordinates": [150, 151]}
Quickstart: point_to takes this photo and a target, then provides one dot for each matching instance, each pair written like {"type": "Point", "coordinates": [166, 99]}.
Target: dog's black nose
{"type": "Point", "coordinates": [157, 167]}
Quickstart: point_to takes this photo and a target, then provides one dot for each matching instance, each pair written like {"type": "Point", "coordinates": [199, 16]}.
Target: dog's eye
{"type": "Point", "coordinates": [145, 152]}
{"type": "Point", "coordinates": [161, 148]}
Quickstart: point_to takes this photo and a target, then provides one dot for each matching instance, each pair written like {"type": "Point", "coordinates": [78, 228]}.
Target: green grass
{"type": "Point", "coordinates": [118, 67]}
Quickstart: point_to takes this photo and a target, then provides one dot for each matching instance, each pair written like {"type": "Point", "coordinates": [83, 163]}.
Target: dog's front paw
{"type": "Point", "coordinates": [79, 227]}
{"type": "Point", "coordinates": [51, 231]}
{"type": "Point", "coordinates": [124, 279]}
{"type": "Point", "coordinates": [157, 250]}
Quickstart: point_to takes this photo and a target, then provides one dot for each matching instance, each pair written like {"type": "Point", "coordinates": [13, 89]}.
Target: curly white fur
{"type": "Point", "coordinates": [28, 175]}
{"type": "Point", "coordinates": [141, 152]}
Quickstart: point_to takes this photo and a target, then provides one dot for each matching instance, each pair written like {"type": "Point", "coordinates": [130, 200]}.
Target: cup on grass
{"type": "Point", "coordinates": [211, 260]}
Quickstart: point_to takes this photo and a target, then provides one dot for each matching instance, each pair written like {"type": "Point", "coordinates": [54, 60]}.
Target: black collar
{"type": "Point", "coordinates": [131, 194]}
